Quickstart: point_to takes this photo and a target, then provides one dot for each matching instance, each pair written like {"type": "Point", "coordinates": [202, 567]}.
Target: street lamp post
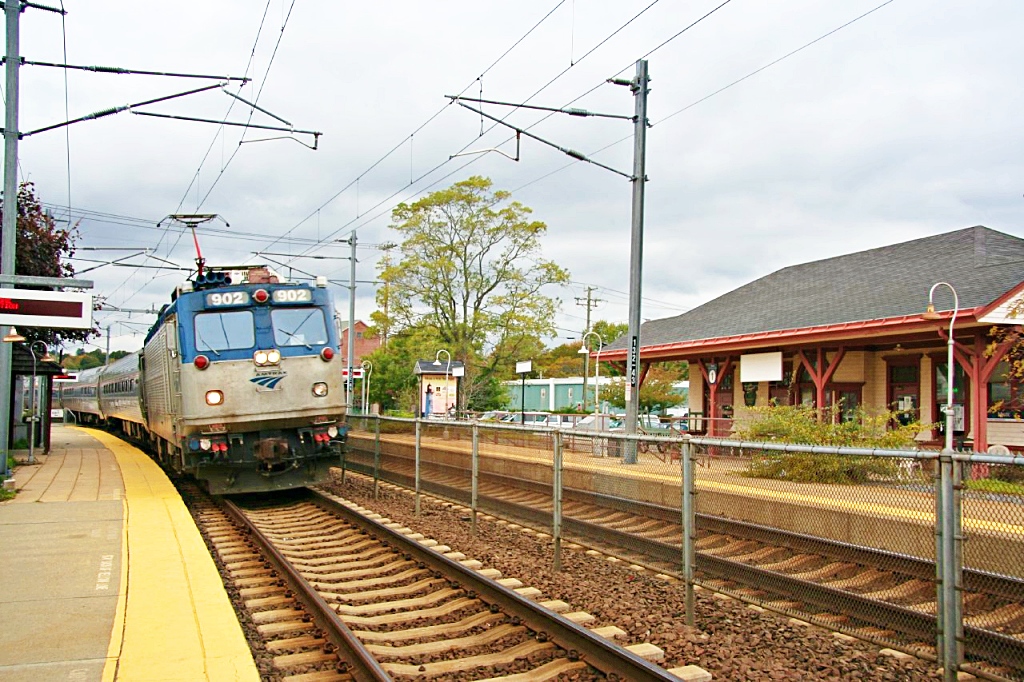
{"type": "Point", "coordinates": [447, 369]}
{"type": "Point", "coordinates": [367, 371]}
{"type": "Point", "coordinates": [597, 370]}
{"type": "Point", "coordinates": [948, 513]}
{"type": "Point", "coordinates": [930, 314]}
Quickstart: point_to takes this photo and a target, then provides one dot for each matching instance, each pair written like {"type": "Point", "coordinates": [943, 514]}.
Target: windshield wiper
{"type": "Point", "coordinates": [206, 343]}
{"type": "Point", "coordinates": [296, 336]}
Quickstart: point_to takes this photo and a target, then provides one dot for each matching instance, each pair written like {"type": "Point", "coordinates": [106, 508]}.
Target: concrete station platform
{"type": "Point", "coordinates": [105, 576]}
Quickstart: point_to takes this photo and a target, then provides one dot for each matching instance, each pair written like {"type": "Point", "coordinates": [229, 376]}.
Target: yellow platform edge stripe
{"type": "Point", "coordinates": [208, 643]}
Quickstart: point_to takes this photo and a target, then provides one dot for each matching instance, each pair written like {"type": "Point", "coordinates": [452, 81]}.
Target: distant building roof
{"type": "Point", "coordinates": [21, 362]}
{"type": "Point", "coordinates": [887, 282]}
{"type": "Point", "coordinates": [429, 367]}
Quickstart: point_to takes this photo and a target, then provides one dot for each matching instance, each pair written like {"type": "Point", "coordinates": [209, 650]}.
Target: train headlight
{"type": "Point", "coordinates": [332, 431]}
{"type": "Point", "coordinates": [205, 443]}
{"type": "Point", "coordinates": [266, 357]}
{"type": "Point", "coordinates": [320, 389]}
{"type": "Point", "coordinates": [214, 398]}
{"type": "Point", "coordinates": [201, 362]}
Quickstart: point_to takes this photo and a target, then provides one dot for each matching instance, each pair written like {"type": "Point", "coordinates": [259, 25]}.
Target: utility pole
{"type": "Point", "coordinates": [9, 238]}
{"type": "Point", "coordinates": [590, 303]}
{"type": "Point", "coordinates": [639, 88]}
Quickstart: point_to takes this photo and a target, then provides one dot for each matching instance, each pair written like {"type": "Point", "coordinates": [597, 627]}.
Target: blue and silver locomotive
{"type": "Point", "coordinates": [234, 385]}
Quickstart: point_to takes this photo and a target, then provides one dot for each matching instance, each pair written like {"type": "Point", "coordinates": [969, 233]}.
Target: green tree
{"type": "Point", "coordinates": [42, 250]}
{"type": "Point", "coordinates": [609, 331]}
{"type": "Point", "coordinates": [393, 385]}
{"type": "Point", "coordinates": [562, 361]}
{"type": "Point", "coordinates": [469, 267]}
{"type": "Point", "coordinates": [83, 360]}
{"type": "Point", "coordinates": [657, 393]}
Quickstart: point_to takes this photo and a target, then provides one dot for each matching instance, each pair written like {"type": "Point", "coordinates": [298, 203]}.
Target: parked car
{"type": "Point", "coordinates": [596, 422]}
{"type": "Point", "coordinates": [647, 423]}
{"type": "Point", "coordinates": [532, 418]}
{"type": "Point", "coordinates": [493, 415]}
{"type": "Point", "coordinates": [563, 421]}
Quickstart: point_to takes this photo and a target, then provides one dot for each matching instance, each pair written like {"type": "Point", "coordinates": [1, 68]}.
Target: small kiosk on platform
{"type": "Point", "coordinates": [439, 387]}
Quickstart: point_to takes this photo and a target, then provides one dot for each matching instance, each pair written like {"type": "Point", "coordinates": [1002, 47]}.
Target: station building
{"type": "Point", "coordinates": [851, 331]}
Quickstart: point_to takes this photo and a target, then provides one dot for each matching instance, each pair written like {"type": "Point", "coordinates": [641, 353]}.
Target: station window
{"type": "Point", "coordinates": [1005, 393]}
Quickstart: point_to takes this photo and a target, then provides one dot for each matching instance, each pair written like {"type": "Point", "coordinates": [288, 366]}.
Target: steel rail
{"type": "Point", "coordinates": [595, 650]}
{"type": "Point", "coordinates": [361, 664]}
{"type": "Point", "coordinates": [992, 645]}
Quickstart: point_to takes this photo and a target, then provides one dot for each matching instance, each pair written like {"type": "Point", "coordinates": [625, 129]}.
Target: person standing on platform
{"type": "Point", "coordinates": [428, 402]}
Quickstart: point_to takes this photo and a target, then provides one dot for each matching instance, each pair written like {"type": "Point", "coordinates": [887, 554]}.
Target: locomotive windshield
{"type": "Point", "coordinates": [299, 327]}
{"type": "Point", "coordinates": [224, 331]}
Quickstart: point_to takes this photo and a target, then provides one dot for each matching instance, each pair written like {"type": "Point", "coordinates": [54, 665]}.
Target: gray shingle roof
{"type": "Point", "coordinates": [886, 282]}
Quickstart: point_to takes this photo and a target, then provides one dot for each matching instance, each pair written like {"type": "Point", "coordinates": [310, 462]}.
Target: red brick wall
{"type": "Point", "coordinates": [363, 346]}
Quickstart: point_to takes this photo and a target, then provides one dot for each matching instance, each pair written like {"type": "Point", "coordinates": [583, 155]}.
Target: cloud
{"type": "Point", "coordinates": [904, 124]}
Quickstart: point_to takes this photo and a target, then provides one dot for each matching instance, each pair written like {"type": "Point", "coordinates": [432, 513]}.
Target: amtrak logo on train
{"type": "Point", "coordinates": [268, 381]}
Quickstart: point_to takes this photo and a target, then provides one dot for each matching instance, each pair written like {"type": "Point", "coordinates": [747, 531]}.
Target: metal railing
{"type": "Point", "coordinates": [941, 520]}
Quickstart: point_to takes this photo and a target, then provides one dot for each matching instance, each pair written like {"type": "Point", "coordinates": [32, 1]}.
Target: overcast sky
{"type": "Point", "coordinates": [904, 124]}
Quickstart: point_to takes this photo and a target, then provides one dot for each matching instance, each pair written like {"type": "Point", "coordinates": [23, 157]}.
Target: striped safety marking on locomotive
{"type": "Point", "coordinates": [267, 383]}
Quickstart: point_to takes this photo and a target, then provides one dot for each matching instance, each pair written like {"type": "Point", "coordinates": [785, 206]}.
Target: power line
{"type": "Point", "coordinates": [773, 63]}
{"type": "Point", "coordinates": [409, 137]}
{"type": "Point", "coordinates": [263, 84]}
{"type": "Point", "coordinates": [526, 100]}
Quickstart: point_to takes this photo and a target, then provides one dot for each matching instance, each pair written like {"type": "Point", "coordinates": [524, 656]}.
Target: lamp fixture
{"type": "Point", "coordinates": [929, 313]}
{"type": "Point", "coordinates": [13, 336]}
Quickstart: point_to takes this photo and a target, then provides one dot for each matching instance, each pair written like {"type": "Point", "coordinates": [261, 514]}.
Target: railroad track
{"type": "Point", "coordinates": [878, 596]}
{"type": "Point", "coordinates": [403, 606]}
{"type": "Point", "coordinates": [294, 635]}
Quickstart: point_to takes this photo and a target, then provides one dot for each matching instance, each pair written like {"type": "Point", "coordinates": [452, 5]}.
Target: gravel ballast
{"type": "Point", "coordinates": [731, 640]}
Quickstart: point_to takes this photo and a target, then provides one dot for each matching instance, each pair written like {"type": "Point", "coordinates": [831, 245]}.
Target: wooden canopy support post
{"type": "Point", "coordinates": [723, 371]}
{"type": "Point", "coordinates": [645, 367]}
{"type": "Point", "coordinates": [979, 370]}
{"type": "Point", "coordinates": [820, 374]}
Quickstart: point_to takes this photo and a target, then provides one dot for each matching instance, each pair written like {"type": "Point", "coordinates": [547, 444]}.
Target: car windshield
{"type": "Point", "coordinates": [219, 331]}
{"type": "Point", "coordinates": [299, 327]}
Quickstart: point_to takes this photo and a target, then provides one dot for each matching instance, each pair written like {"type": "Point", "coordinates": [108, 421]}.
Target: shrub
{"type": "Point", "coordinates": [800, 424]}
{"type": "Point", "coordinates": [1008, 473]}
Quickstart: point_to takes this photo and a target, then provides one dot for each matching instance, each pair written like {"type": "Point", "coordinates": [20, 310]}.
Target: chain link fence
{"type": "Point", "coordinates": [887, 545]}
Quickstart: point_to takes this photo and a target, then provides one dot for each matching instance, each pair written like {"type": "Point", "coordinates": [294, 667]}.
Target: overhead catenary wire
{"type": "Point", "coordinates": [463, 149]}
{"type": "Point", "coordinates": [419, 128]}
{"type": "Point", "coordinates": [263, 83]}
{"type": "Point", "coordinates": [461, 166]}
{"type": "Point", "coordinates": [755, 72]}
{"type": "Point", "coordinates": [195, 177]}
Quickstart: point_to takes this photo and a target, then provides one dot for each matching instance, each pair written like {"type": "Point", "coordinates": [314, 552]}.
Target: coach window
{"type": "Point", "coordinates": [224, 331]}
{"type": "Point", "coordinates": [299, 327]}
